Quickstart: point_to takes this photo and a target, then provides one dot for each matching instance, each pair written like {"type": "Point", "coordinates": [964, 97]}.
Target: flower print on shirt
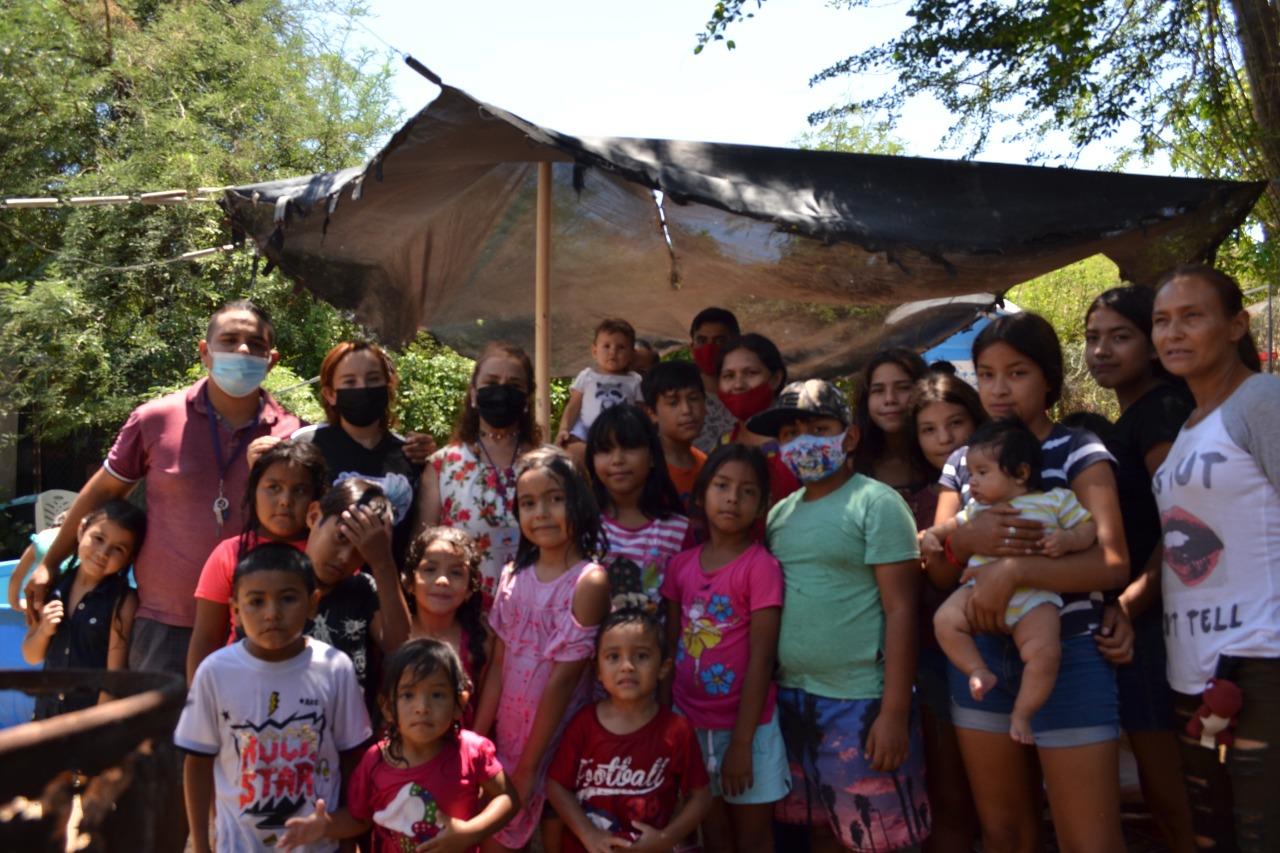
{"type": "Point", "coordinates": [699, 635]}
{"type": "Point", "coordinates": [717, 679]}
{"type": "Point", "coordinates": [720, 608]}
{"type": "Point", "coordinates": [413, 816]}
{"type": "Point", "coordinates": [708, 621]}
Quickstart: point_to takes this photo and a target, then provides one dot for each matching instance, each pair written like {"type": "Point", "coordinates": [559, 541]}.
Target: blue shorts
{"type": "Point", "coordinates": [1083, 708]}
{"type": "Point", "coordinates": [833, 784]}
{"type": "Point", "coordinates": [1146, 699]}
{"type": "Point", "coordinates": [770, 775]}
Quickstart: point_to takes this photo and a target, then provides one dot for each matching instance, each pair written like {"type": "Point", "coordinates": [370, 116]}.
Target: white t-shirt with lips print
{"type": "Point", "coordinates": [1220, 516]}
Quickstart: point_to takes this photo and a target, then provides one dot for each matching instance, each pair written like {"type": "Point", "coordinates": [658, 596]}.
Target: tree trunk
{"type": "Point", "coordinates": [1258, 31]}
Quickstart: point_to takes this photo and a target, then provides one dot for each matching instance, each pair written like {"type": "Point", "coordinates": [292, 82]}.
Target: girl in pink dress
{"type": "Point", "coordinates": [548, 605]}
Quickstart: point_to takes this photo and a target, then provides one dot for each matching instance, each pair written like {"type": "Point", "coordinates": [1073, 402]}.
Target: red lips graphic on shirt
{"type": "Point", "coordinates": [1191, 548]}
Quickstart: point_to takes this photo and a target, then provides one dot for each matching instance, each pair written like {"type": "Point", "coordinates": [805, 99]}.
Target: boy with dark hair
{"type": "Point", "coordinates": [677, 403]}
{"type": "Point", "coordinates": [271, 717]}
{"type": "Point", "coordinates": [710, 330]}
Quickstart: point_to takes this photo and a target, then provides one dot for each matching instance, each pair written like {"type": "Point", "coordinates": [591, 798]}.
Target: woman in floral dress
{"type": "Point", "coordinates": [470, 483]}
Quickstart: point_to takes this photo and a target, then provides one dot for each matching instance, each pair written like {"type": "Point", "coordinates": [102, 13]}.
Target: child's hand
{"type": "Point", "coordinates": [887, 742]}
{"type": "Point", "coordinates": [454, 838]}
{"type": "Point", "coordinates": [1054, 544]}
{"type": "Point", "coordinates": [599, 841]}
{"type": "Point", "coordinates": [930, 543]}
{"type": "Point", "coordinates": [654, 839]}
{"type": "Point", "coordinates": [299, 831]}
{"type": "Point", "coordinates": [735, 773]}
{"type": "Point", "coordinates": [369, 531]}
{"type": "Point", "coordinates": [562, 438]}
{"type": "Point", "coordinates": [259, 446]}
{"type": "Point", "coordinates": [50, 617]}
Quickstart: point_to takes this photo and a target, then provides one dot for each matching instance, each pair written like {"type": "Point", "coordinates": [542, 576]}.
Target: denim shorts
{"type": "Point", "coordinates": [770, 774]}
{"type": "Point", "coordinates": [1083, 708]}
{"type": "Point", "coordinates": [1146, 699]}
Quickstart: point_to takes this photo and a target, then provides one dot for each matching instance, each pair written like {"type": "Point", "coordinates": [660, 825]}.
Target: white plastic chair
{"type": "Point", "coordinates": [51, 504]}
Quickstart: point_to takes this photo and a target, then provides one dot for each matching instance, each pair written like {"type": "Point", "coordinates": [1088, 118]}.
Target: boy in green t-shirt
{"type": "Point", "coordinates": [847, 643]}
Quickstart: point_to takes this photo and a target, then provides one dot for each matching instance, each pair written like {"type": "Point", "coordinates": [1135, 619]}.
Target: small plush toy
{"type": "Point", "coordinates": [1214, 722]}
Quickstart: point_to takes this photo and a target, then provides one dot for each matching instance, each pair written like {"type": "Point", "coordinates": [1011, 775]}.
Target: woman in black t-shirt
{"type": "Point", "coordinates": [1120, 356]}
{"type": "Point", "coordinates": [358, 384]}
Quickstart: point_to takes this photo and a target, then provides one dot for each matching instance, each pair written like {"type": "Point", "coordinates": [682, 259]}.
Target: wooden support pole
{"type": "Point", "coordinates": [542, 303]}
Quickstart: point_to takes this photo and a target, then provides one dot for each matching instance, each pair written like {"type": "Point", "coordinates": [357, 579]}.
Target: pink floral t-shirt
{"type": "Point", "coordinates": [535, 622]}
{"type": "Point", "coordinates": [715, 631]}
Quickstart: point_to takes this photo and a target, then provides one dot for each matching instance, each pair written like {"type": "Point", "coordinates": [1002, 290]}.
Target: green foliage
{"type": "Point", "coordinates": [848, 129]}
{"type": "Point", "coordinates": [1063, 296]}
{"type": "Point", "coordinates": [1193, 80]}
{"type": "Point", "coordinates": [433, 379]}
{"type": "Point", "coordinates": [163, 94]}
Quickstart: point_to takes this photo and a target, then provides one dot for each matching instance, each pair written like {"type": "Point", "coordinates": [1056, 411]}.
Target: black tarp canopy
{"type": "Point", "coordinates": [813, 249]}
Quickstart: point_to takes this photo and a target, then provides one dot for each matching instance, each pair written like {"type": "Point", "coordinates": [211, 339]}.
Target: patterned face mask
{"type": "Point", "coordinates": [813, 457]}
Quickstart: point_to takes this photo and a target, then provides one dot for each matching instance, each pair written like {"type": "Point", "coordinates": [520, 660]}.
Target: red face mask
{"type": "Point", "coordinates": [705, 357]}
{"type": "Point", "coordinates": [748, 403]}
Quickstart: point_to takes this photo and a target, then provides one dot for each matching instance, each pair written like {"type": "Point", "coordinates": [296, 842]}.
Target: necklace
{"type": "Point", "coordinates": [499, 435]}
{"type": "Point", "coordinates": [498, 472]}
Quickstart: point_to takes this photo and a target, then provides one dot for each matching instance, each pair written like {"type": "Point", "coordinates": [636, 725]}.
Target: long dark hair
{"type": "Point", "coordinates": [418, 659]}
{"type": "Point", "coordinates": [1231, 298]}
{"type": "Point", "coordinates": [941, 386]}
{"type": "Point", "coordinates": [1134, 302]}
{"type": "Point", "coordinates": [872, 443]}
{"type": "Point", "coordinates": [301, 453]}
{"type": "Point", "coordinates": [627, 426]}
{"type": "Point", "coordinates": [466, 430]}
{"type": "Point", "coordinates": [581, 510]}
{"type": "Point", "coordinates": [1033, 337]}
{"type": "Point", "coordinates": [470, 614]}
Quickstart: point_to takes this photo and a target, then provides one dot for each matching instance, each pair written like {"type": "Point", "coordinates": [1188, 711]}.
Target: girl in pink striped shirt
{"type": "Point", "coordinates": [641, 511]}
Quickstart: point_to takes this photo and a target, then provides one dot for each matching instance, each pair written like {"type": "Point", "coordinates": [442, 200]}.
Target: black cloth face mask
{"type": "Point", "coordinates": [500, 406]}
{"type": "Point", "coordinates": [362, 406]}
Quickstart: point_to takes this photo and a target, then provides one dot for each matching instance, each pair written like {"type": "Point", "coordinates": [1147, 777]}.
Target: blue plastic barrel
{"type": "Point", "coordinates": [15, 707]}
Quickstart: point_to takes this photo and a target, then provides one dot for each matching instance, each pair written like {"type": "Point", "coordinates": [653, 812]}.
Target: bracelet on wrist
{"type": "Point", "coordinates": [950, 555]}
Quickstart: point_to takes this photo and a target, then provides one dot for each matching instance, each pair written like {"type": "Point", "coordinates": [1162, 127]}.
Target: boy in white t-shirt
{"type": "Point", "coordinates": [271, 720]}
{"type": "Point", "coordinates": [595, 389]}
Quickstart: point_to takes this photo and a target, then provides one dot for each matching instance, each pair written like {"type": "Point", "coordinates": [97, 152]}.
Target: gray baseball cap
{"type": "Point", "coordinates": [810, 398]}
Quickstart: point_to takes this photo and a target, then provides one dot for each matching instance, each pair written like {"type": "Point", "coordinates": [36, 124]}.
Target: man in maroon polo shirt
{"type": "Point", "coordinates": [190, 446]}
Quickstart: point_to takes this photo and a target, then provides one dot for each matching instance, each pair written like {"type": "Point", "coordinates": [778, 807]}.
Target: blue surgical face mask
{"type": "Point", "coordinates": [238, 374]}
{"type": "Point", "coordinates": [813, 457]}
